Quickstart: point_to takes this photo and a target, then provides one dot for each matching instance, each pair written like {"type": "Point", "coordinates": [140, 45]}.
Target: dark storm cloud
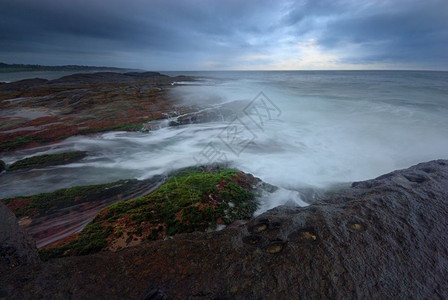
{"type": "Point", "coordinates": [63, 21]}
{"type": "Point", "coordinates": [198, 34]}
{"type": "Point", "coordinates": [185, 28]}
{"type": "Point", "coordinates": [390, 31]}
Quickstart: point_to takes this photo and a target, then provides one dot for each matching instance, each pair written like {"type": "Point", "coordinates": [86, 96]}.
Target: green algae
{"type": "Point", "coordinates": [193, 199]}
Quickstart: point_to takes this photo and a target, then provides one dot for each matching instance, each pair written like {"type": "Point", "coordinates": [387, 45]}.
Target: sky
{"type": "Point", "coordinates": [227, 34]}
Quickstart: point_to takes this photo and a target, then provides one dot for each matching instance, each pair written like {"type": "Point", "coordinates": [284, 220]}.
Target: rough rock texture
{"type": "Point", "coordinates": [381, 238]}
{"type": "Point", "coordinates": [16, 248]}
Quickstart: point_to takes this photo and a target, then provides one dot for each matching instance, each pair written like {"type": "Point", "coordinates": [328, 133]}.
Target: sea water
{"type": "Point", "coordinates": [295, 130]}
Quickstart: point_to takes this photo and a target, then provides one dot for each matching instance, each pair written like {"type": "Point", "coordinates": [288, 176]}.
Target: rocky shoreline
{"type": "Point", "coordinates": [38, 111]}
{"type": "Point", "coordinates": [380, 238]}
{"type": "Point", "coordinates": [103, 103]}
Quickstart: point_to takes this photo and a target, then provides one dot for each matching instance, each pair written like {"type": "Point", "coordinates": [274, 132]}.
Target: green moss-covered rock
{"type": "Point", "coordinates": [190, 200]}
{"type": "Point", "coordinates": [46, 160]}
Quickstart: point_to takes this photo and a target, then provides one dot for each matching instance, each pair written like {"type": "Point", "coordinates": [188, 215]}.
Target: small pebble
{"type": "Point", "coordinates": [260, 228]}
{"type": "Point", "coordinates": [275, 247]}
{"type": "Point", "coordinates": [356, 226]}
{"type": "Point", "coordinates": [309, 236]}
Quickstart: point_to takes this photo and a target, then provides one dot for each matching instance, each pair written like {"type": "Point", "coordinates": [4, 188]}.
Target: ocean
{"type": "Point", "coordinates": [296, 129]}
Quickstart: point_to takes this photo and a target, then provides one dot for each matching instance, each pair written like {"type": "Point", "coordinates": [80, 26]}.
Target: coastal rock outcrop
{"type": "Point", "coordinates": [380, 238]}
{"type": "Point", "coordinates": [191, 199]}
{"type": "Point", "coordinates": [38, 111]}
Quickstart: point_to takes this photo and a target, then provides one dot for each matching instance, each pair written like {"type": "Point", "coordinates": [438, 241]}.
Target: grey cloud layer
{"type": "Point", "coordinates": [186, 34]}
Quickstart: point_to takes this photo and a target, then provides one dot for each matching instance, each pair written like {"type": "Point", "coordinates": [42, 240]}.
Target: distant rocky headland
{"type": "Point", "coordinates": [191, 234]}
{"type": "Point", "coordinates": [6, 68]}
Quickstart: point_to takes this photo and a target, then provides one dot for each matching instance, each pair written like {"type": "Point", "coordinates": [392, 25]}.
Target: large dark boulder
{"type": "Point", "coordinates": [16, 247]}
{"type": "Point", "coordinates": [382, 238]}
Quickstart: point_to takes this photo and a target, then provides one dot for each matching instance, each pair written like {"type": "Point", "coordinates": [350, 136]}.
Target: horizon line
{"type": "Point", "coordinates": [304, 70]}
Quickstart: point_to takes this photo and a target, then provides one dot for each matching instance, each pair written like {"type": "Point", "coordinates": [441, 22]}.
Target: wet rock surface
{"type": "Point", "coordinates": [380, 238]}
{"type": "Point", "coordinates": [41, 161]}
{"type": "Point", "coordinates": [39, 111]}
{"type": "Point", "coordinates": [224, 112]}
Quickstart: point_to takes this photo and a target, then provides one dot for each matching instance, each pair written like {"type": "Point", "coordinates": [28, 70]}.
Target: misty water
{"type": "Point", "coordinates": [312, 129]}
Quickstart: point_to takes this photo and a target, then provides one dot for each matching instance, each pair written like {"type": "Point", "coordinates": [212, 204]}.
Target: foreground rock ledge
{"type": "Point", "coordinates": [382, 238]}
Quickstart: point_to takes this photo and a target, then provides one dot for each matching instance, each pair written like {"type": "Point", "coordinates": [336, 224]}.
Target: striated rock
{"type": "Point", "coordinates": [51, 217]}
{"type": "Point", "coordinates": [2, 165]}
{"type": "Point", "coordinates": [380, 238]}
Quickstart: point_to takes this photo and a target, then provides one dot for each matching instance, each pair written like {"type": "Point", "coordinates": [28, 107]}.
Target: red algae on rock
{"type": "Point", "coordinates": [40, 111]}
